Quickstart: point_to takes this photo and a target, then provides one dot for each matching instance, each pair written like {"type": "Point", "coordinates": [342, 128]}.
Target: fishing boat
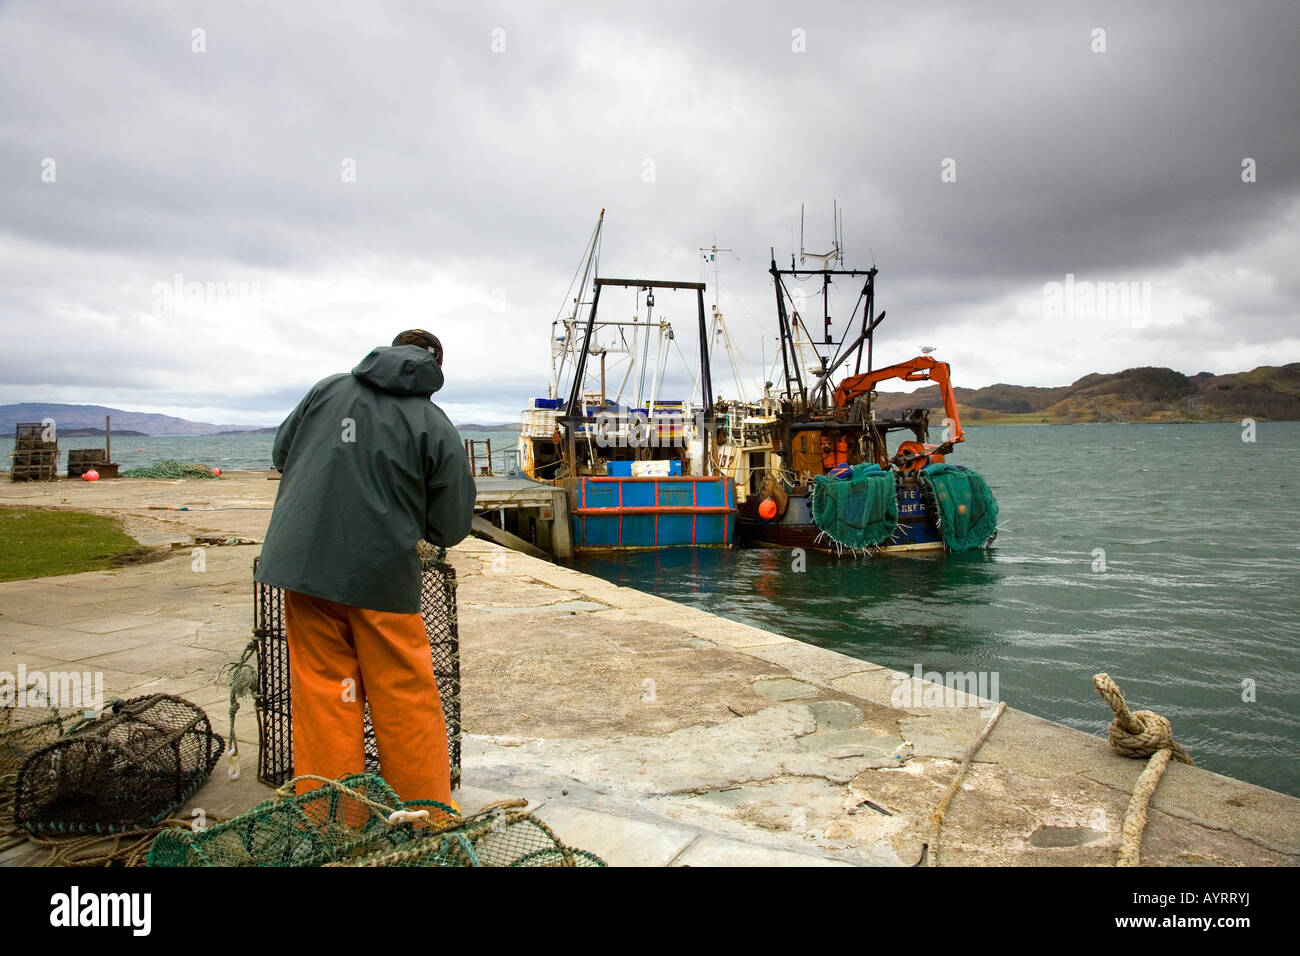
{"type": "Point", "coordinates": [816, 467]}
{"type": "Point", "coordinates": [638, 467]}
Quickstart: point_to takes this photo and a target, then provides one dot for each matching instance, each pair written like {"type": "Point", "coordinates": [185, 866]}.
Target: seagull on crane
{"type": "Point", "coordinates": [927, 349]}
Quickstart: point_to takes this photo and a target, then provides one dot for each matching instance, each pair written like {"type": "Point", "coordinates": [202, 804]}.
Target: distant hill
{"type": "Point", "coordinates": [88, 432]}
{"type": "Point", "coordinates": [1148, 394]}
{"type": "Point", "coordinates": [474, 427]}
{"type": "Point", "coordinates": [89, 420]}
{"type": "Point", "coordinates": [1145, 394]}
{"type": "Point", "coordinates": [92, 416]}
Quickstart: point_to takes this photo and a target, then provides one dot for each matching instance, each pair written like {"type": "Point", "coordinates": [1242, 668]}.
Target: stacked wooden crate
{"type": "Point", "coordinates": [34, 459]}
{"type": "Point", "coordinates": [81, 460]}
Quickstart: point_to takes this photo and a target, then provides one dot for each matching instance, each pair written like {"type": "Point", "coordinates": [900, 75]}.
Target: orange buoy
{"type": "Point", "coordinates": [217, 472]}
{"type": "Point", "coordinates": [767, 510]}
{"type": "Point", "coordinates": [91, 475]}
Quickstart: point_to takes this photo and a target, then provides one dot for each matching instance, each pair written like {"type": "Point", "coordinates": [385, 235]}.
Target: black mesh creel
{"type": "Point", "coordinates": [274, 713]}
{"type": "Point", "coordinates": [127, 769]}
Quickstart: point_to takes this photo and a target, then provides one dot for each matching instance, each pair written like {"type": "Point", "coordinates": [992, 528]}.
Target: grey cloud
{"type": "Point", "coordinates": [492, 166]}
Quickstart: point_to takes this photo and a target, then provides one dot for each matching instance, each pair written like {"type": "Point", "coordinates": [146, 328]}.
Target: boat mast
{"type": "Point", "coordinates": [590, 263]}
{"type": "Point", "coordinates": [790, 324]}
{"type": "Point", "coordinates": [719, 326]}
{"type": "Point", "coordinates": [573, 416]}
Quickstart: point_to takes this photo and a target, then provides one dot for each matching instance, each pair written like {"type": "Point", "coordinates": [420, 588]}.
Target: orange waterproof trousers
{"type": "Point", "coordinates": [340, 657]}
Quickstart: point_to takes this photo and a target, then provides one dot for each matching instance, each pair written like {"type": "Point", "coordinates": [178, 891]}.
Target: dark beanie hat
{"type": "Point", "coordinates": [425, 340]}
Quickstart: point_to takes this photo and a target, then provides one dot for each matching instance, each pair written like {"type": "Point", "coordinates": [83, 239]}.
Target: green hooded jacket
{"type": "Point", "coordinates": [370, 465]}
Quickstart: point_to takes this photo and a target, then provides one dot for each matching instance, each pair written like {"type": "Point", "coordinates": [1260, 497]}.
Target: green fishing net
{"type": "Point", "coordinates": [856, 512]}
{"type": "Point", "coordinates": [967, 511]}
{"type": "Point", "coordinates": [360, 821]}
{"type": "Point", "coordinates": [170, 468]}
{"type": "Point", "coordinates": [504, 835]}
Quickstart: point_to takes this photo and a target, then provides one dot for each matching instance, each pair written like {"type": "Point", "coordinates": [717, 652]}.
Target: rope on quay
{"type": "Point", "coordinates": [1143, 733]}
{"type": "Point", "coordinates": [129, 848]}
{"type": "Point", "coordinates": [936, 818]}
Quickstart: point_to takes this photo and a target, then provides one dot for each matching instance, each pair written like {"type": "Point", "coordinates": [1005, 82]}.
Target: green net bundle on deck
{"type": "Point", "coordinates": [127, 769]}
{"type": "Point", "coordinates": [856, 512]}
{"type": "Point", "coordinates": [360, 821]}
{"type": "Point", "coordinates": [170, 468]}
{"type": "Point", "coordinates": [967, 512]}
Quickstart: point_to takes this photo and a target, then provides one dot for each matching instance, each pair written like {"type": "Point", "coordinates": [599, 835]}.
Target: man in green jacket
{"type": "Point", "coordinates": [370, 466]}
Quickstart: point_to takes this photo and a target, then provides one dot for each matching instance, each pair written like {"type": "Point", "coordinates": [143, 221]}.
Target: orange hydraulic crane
{"type": "Point", "coordinates": [911, 455]}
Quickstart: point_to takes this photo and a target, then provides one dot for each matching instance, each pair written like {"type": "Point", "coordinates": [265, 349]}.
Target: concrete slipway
{"type": "Point", "coordinates": [648, 732]}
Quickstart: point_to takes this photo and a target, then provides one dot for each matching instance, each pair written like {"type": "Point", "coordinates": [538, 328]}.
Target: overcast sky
{"type": "Point", "coordinates": [361, 168]}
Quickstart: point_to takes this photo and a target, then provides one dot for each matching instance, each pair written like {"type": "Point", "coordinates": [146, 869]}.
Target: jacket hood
{"type": "Point", "coordinates": [401, 370]}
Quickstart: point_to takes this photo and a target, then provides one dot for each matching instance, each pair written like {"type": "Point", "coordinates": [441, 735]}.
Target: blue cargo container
{"type": "Point", "coordinates": [620, 512]}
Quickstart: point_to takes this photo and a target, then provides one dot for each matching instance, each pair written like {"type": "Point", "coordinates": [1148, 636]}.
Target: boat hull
{"type": "Point", "coordinates": [796, 529]}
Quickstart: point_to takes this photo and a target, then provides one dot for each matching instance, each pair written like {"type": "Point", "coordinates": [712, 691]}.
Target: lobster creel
{"type": "Point", "coordinates": [127, 769]}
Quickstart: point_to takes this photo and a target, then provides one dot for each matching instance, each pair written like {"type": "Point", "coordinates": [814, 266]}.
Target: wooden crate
{"type": "Point", "coordinates": [81, 460]}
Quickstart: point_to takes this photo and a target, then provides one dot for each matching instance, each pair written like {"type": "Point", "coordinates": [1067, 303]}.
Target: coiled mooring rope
{"type": "Point", "coordinates": [1143, 733]}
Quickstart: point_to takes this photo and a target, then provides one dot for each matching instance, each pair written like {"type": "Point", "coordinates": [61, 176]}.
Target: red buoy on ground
{"type": "Point", "coordinates": [91, 475]}
{"type": "Point", "coordinates": [217, 472]}
{"type": "Point", "coordinates": [767, 509]}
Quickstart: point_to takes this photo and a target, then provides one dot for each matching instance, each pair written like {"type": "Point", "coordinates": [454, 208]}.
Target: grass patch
{"type": "Point", "coordinates": [38, 542]}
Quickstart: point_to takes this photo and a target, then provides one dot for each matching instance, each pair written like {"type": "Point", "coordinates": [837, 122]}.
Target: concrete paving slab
{"type": "Point", "coordinates": [634, 677]}
{"type": "Point", "coordinates": [83, 645]}
{"type": "Point", "coordinates": [1213, 800]}
{"type": "Point", "coordinates": [835, 714]}
{"type": "Point", "coordinates": [785, 688]}
{"type": "Point", "coordinates": [15, 634]}
{"type": "Point", "coordinates": [51, 613]}
{"type": "Point", "coordinates": [196, 690]}
{"type": "Point", "coordinates": [875, 686]}
{"type": "Point", "coordinates": [732, 634]}
{"type": "Point", "coordinates": [498, 590]}
{"type": "Point", "coordinates": [616, 840]}
{"type": "Point", "coordinates": [158, 660]}
{"type": "Point", "coordinates": [110, 623]}
{"type": "Point", "coordinates": [854, 742]}
{"type": "Point", "coordinates": [712, 851]}
{"type": "Point", "coordinates": [812, 663]}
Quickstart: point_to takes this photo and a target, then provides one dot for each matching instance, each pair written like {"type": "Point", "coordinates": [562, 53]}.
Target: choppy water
{"type": "Point", "coordinates": [1200, 592]}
